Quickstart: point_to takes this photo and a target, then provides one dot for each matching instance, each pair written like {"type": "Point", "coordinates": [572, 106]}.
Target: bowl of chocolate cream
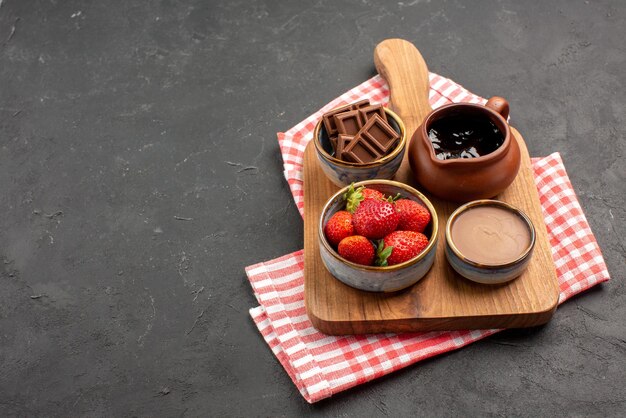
{"type": "Point", "coordinates": [489, 241]}
{"type": "Point", "coordinates": [465, 151]}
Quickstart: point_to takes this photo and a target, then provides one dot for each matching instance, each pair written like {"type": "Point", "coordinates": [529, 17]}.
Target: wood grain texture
{"type": "Point", "coordinates": [442, 300]}
{"type": "Point", "coordinates": [404, 69]}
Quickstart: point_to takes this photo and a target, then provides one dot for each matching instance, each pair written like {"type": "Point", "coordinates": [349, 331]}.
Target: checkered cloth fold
{"type": "Point", "coordinates": [321, 365]}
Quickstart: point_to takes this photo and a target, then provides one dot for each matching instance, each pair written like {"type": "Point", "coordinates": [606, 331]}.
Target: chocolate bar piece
{"type": "Point", "coordinates": [329, 119]}
{"type": "Point", "coordinates": [360, 151]}
{"type": "Point", "coordinates": [348, 123]}
{"type": "Point", "coordinates": [379, 134]}
{"type": "Point", "coordinates": [369, 111]}
{"type": "Point", "coordinates": [360, 104]}
{"type": "Point", "coordinates": [342, 142]}
{"type": "Point", "coordinates": [333, 142]}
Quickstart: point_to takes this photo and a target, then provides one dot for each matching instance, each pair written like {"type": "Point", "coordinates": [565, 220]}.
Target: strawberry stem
{"type": "Point", "coordinates": [382, 254]}
{"type": "Point", "coordinates": [353, 198]}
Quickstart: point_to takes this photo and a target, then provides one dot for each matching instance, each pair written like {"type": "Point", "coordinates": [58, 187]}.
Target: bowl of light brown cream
{"type": "Point", "coordinates": [489, 241]}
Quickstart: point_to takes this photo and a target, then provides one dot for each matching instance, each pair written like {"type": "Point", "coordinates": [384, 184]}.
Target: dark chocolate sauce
{"type": "Point", "coordinates": [461, 136]}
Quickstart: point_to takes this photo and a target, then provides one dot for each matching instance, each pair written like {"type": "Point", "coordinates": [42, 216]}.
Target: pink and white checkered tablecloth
{"type": "Point", "coordinates": [321, 365]}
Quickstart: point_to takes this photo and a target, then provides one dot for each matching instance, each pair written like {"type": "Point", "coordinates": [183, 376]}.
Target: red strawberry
{"type": "Point", "coordinates": [405, 245]}
{"type": "Point", "coordinates": [354, 197]}
{"type": "Point", "coordinates": [338, 227]}
{"type": "Point", "coordinates": [372, 194]}
{"type": "Point", "coordinates": [413, 216]}
{"type": "Point", "coordinates": [357, 249]}
{"type": "Point", "coordinates": [375, 218]}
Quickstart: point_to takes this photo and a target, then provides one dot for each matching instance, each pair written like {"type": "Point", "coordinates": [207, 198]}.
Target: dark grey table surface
{"type": "Point", "coordinates": [127, 220]}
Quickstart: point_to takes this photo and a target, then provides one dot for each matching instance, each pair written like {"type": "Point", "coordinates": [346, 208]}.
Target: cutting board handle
{"type": "Point", "coordinates": [402, 65]}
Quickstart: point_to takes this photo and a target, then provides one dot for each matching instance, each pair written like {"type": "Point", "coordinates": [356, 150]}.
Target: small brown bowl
{"type": "Point", "coordinates": [465, 179]}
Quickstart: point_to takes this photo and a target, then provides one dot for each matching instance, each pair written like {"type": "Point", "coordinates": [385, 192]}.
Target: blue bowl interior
{"type": "Point", "coordinates": [328, 147]}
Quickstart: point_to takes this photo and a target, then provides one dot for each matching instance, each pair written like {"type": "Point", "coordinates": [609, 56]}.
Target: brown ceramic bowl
{"type": "Point", "coordinates": [465, 179]}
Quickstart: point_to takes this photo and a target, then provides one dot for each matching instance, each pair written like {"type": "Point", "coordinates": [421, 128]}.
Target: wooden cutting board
{"type": "Point", "coordinates": [442, 300]}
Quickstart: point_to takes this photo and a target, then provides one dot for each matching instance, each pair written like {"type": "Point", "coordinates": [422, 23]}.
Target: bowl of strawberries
{"type": "Point", "coordinates": [378, 235]}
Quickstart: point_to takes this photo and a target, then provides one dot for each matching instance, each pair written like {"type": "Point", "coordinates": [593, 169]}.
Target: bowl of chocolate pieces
{"type": "Point", "coordinates": [359, 141]}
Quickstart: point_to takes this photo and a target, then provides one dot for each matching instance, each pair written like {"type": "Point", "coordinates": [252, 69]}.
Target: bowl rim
{"type": "Point", "coordinates": [397, 150]}
{"type": "Point", "coordinates": [410, 190]}
{"type": "Point", "coordinates": [490, 202]}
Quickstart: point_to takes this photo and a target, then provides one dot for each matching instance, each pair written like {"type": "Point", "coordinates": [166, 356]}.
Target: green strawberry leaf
{"type": "Point", "coordinates": [382, 254]}
{"type": "Point", "coordinates": [353, 198]}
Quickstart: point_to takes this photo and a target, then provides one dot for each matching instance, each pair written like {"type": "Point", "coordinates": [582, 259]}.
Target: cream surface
{"type": "Point", "coordinates": [490, 235]}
